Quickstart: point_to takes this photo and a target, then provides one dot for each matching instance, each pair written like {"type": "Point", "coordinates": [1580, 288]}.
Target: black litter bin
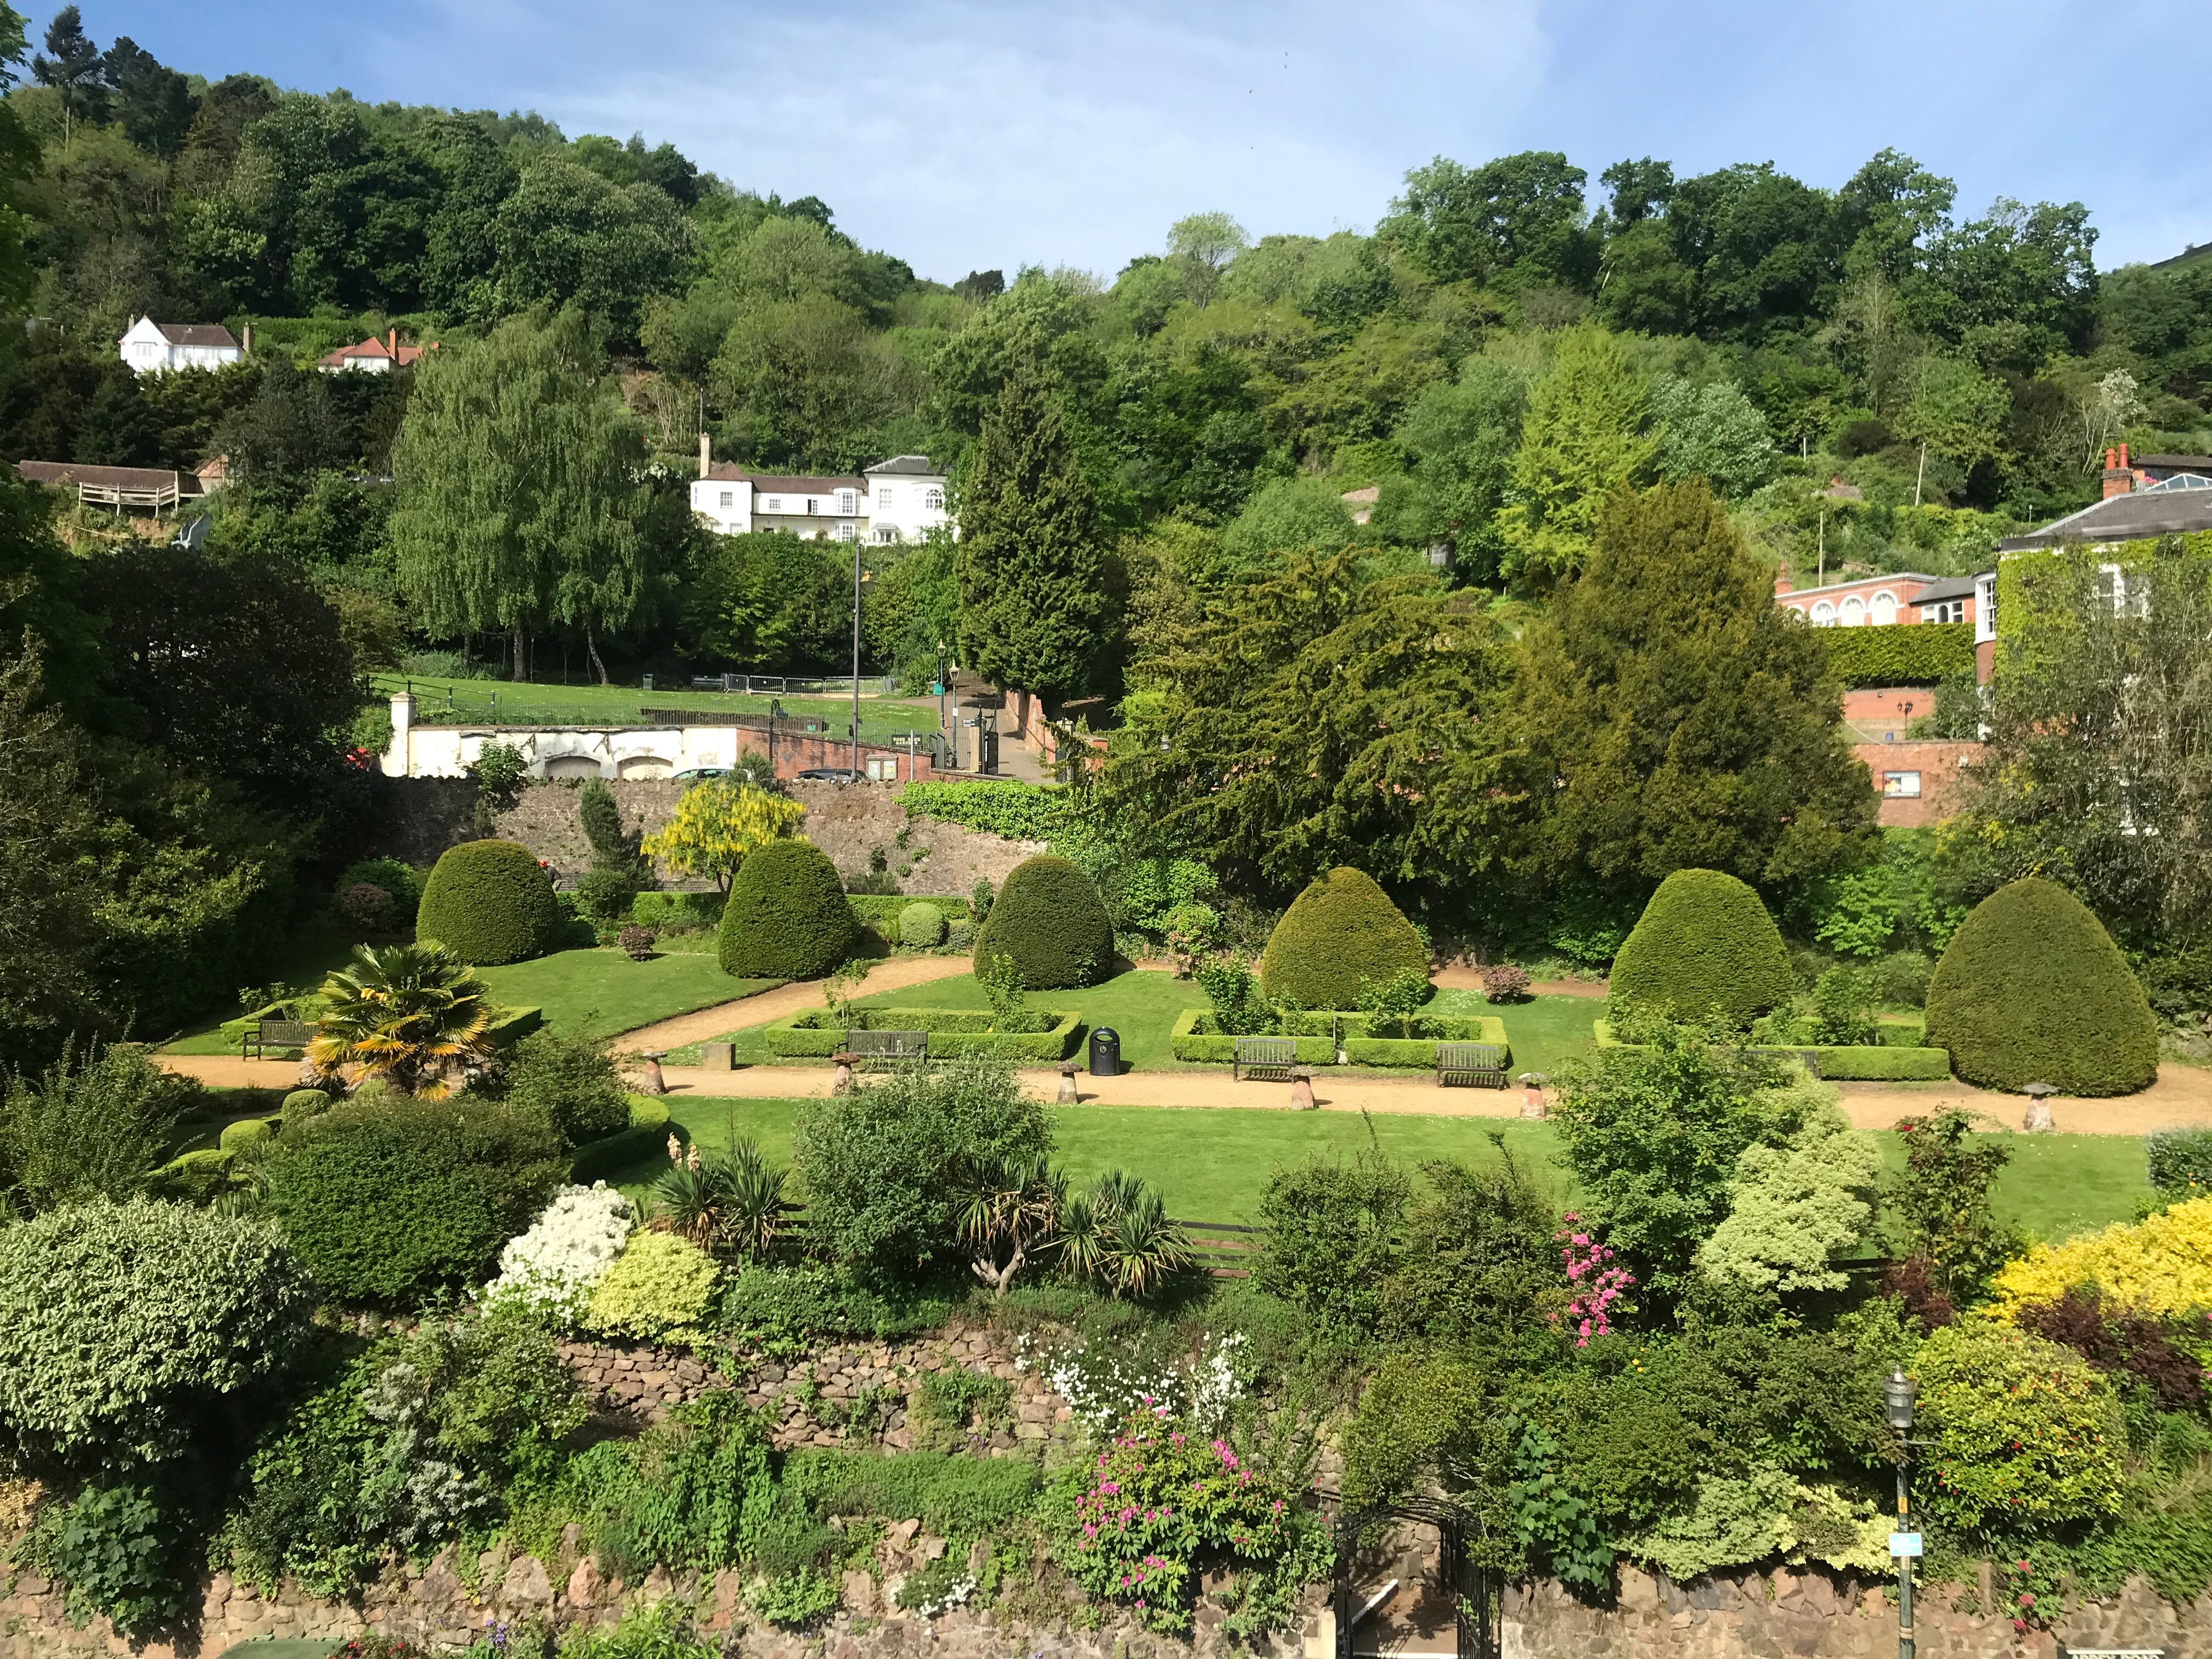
{"type": "Point", "coordinates": [1105, 1052]}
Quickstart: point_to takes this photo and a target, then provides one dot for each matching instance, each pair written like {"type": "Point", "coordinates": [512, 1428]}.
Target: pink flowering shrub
{"type": "Point", "coordinates": [1596, 1281]}
{"type": "Point", "coordinates": [1160, 1503]}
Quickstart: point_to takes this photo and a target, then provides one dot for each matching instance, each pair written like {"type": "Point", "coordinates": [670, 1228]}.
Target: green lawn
{"type": "Point", "coordinates": [1212, 1163]}
{"type": "Point", "coordinates": [1142, 1004]}
{"type": "Point", "coordinates": [598, 991]}
{"type": "Point", "coordinates": [625, 705]}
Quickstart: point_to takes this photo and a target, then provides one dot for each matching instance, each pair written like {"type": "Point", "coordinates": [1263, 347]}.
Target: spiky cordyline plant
{"type": "Point", "coordinates": [406, 1013]}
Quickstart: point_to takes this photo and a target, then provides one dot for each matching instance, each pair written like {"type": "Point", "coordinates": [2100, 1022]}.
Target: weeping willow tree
{"type": "Point", "coordinates": [522, 500]}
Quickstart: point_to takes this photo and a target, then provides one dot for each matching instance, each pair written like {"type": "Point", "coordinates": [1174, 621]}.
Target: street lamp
{"type": "Point", "coordinates": [1897, 1394]}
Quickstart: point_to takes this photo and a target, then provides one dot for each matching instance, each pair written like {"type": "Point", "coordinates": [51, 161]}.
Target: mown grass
{"type": "Point", "coordinates": [438, 699]}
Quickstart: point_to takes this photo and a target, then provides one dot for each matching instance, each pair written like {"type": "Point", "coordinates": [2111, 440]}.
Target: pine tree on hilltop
{"type": "Point", "coordinates": [1034, 607]}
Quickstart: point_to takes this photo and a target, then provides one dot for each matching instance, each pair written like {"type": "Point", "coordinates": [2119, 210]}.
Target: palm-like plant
{"type": "Point", "coordinates": [753, 1205]}
{"type": "Point", "coordinates": [732, 1201]}
{"type": "Point", "coordinates": [1119, 1234]}
{"type": "Point", "coordinates": [408, 1014]}
{"type": "Point", "coordinates": [1007, 1211]}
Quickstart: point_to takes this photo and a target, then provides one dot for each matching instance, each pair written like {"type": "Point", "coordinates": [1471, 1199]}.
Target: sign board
{"type": "Point", "coordinates": [937, 688]}
{"type": "Point", "coordinates": [1904, 1544]}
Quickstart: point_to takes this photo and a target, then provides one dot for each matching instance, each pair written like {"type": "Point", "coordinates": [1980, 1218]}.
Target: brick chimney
{"type": "Point", "coordinates": [706, 454]}
{"type": "Point", "coordinates": [1782, 586]}
{"type": "Point", "coordinates": [2119, 478]}
{"type": "Point", "coordinates": [393, 345]}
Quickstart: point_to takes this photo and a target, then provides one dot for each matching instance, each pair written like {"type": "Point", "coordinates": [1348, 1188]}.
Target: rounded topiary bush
{"type": "Point", "coordinates": [387, 1197]}
{"type": "Point", "coordinates": [1703, 949]}
{"type": "Point", "coordinates": [1342, 932]}
{"type": "Point", "coordinates": [2032, 989]}
{"type": "Point", "coordinates": [1050, 921]}
{"type": "Point", "coordinates": [921, 926]}
{"type": "Point", "coordinates": [489, 902]}
{"type": "Point", "coordinates": [787, 916]}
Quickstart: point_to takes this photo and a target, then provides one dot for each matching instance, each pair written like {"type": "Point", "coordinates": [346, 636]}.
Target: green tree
{"type": "Point", "coordinates": [1582, 441]}
{"type": "Point", "coordinates": [1675, 718]}
{"type": "Point", "coordinates": [520, 504]}
{"type": "Point", "coordinates": [1519, 215]}
{"type": "Point", "coordinates": [75, 71]}
{"type": "Point", "coordinates": [1034, 606]}
{"type": "Point", "coordinates": [717, 824]}
{"type": "Point", "coordinates": [48, 888]}
{"type": "Point", "coordinates": [1712, 432]}
{"type": "Point", "coordinates": [1459, 438]}
{"type": "Point", "coordinates": [1956, 411]}
{"type": "Point", "coordinates": [568, 235]}
{"type": "Point", "coordinates": [769, 600]}
{"type": "Point", "coordinates": [1201, 245]}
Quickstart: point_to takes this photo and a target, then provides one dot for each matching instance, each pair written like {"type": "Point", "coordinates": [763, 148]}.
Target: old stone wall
{"type": "Point", "coordinates": [423, 816]}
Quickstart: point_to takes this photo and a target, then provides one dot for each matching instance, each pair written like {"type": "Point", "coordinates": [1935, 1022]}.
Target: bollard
{"type": "Point", "coordinates": [1068, 1094]}
{"type": "Point", "coordinates": [1302, 1094]}
{"type": "Point", "coordinates": [655, 1084]}
{"type": "Point", "coordinates": [1532, 1095]}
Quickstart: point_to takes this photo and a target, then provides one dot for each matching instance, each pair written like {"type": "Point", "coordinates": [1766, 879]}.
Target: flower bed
{"type": "Point", "coordinates": [818, 1033]}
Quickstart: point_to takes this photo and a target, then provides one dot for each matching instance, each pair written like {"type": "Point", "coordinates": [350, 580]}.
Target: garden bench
{"type": "Point", "coordinates": [1479, 1064]}
{"type": "Point", "coordinates": [1264, 1058]}
{"type": "Point", "coordinates": [278, 1034]}
{"type": "Point", "coordinates": [887, 1045]}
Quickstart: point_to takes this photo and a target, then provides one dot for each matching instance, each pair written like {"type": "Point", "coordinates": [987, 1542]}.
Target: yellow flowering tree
{"type": "Point", "coordinates": [2160, 1266]}
{"type": "Point", "coordinates": [719, 823]}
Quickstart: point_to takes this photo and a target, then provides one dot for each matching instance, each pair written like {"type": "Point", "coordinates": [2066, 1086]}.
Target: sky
{"type": "Point", "coordinates": [976, 134]}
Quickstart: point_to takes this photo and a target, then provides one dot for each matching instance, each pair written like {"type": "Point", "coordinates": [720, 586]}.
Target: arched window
{"type": "Point", "coordinates": [934, 500]}
{"type": "Point", "coordinates": [1854, 611]}
{"type": "Point", "coordinates": [1824, 615]}
{"type": "Point", "coordinates": [1885, 607]}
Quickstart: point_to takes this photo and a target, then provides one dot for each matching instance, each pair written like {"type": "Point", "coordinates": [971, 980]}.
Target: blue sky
{"type": "Point", "coordinates": [965, 134]}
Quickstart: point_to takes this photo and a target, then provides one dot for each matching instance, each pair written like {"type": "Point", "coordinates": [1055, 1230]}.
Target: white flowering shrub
{"type": "Point", "coordinates": [554, 1265]}
{"type": "Point", "coordinates": [1103, 1383]}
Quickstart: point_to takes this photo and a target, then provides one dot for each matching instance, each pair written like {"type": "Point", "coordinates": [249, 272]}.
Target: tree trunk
{"type": "Point", "coordinates": [996, 1277]}
{"type": "Point", "coordinates": [518, 672]}
{"type": "Point", "coordinates": [592, 651]}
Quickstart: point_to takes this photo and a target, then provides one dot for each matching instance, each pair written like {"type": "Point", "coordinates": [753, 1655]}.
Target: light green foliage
{"type": "Point", "coordinates": [1459, 439]}
{"type": "Point", "coordinates": [921, 925]}
{"type": "Point", "coordinates": [1654, 1135]}
{"type": "Point", "coordinates": [658, 1290]}
{"type": "Point", "coordinates": [1580, 441]}
{"type": "Point", "coordinates": [1030, 557]}
{"type": "Point", "coordinates": [1288, 515]}
{"type": "Point", "coordinates": [1339, 935]}
{"type": "Point", "coordinates": [1419, 1416]}
{"type": "Point", "coordinates": [2026, 1436]}
{"type": "Point", "coordinates": [882, 1166]}
{"type": "Point", "coordinates": [768, 602]}
{"type": "Point", "coordinates": [1015, 811]}
{"type": "Point", "coordinates": [2032, 989]}
{"type": "Point", "coordinates": [717, 824]}
{"type": "Point", "coordinates": [1332, 1239]}
{"type": "Point", "coordinates": [118, 1550]}
{"type": "Point", "coordinates": [569, 1080]}
{"type": "Point", "coordinates": [301, 1104]}
{"type": "Point", "coordinates": [92, 1124]}
{"type": "Point", "coordinates": [1740, 1520]}
{"type": "Point", "coordinates": [1705, 949]}
{"type": "Point", "coordinates": [1897, 902]}
{"type": "Point", "coordinates": [124, 1326]}
{"type": "Point", "coordinates": [1956, 410]}
{"type": "Point", "coordinates": [1795, 1209]}
{"type": "Point", "coordinates": [521, 505]}
{"type": "Point", "coordinates": [1131, 1527]}
{"type": "Point", "coordinates": [488, 902]}
{"type": "Point", "coordinates": [1712, 432]}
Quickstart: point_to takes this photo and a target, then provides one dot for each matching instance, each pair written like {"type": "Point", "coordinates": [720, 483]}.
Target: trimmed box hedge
{"type": "Point", "coordinates": [511, 1025]}
{"type": "Point", "coordinates": [1868, 1063]}
{"type": "Point", "coordinates": [648, 1131]}
{"type": "Point", "coordinates": [818, 1034]}
{"type": "Point", "coordinates": [1421, 1052]}
{"type": "Point", "coordinates": [1189, 1042]}
{"type": "Point", "coordinates": [677, 909]}
{"type": "Point", "coordinates": [1920, 654]}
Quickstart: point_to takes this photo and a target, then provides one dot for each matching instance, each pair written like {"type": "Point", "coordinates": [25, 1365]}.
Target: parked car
{"type": "Point", "coordinates": [834, 775]}
{"type": "Point", "coordinates": [696, 773]}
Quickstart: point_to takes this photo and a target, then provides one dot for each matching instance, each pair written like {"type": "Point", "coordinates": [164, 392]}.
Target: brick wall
{"type": "Point", "coordinates": [1938, 765]}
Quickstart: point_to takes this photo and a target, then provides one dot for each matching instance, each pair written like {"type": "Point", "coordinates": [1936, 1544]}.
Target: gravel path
{"type": "Point", "coordinates": [893, 973]}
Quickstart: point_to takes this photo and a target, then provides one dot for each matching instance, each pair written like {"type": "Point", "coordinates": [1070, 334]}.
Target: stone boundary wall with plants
{"type": "Point", "coordinates": [425, 815]}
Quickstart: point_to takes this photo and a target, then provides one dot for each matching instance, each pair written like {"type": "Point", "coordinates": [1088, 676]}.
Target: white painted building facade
{"type": "Point", "coordinates": [896, 501]}
{"type": "Point", "coordinates": [152, 348]}
{"type": "Point", "coordinates": [448, 752]}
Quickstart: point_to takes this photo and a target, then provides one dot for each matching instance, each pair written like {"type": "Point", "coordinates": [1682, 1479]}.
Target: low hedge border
{"type": "Point", "coordinates": [1855, 1064]}
{"type": "Point", "coordinates": [648, 1131]}
{"type": "Point", "coordinates": [512, 1024]}
{"type": "Point", "coordinates": [1188, 1043]}
{"type": "Point", "coordinates": [1421, 1052]}
{"type": "Point", "coordinates": [951, 1032]}
{"type": "Point", "coordinates": [677, 909]}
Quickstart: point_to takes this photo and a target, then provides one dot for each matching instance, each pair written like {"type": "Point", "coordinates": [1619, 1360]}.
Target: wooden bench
{"type": "Point", "coordinates": [887, 1045]}
{"type": "Point", "coordinates": [1476, 1063]}
{"type": "Point", "coordinates": [1264, 1058]}
{"type": "Point", "coordinates": [277, 1034]}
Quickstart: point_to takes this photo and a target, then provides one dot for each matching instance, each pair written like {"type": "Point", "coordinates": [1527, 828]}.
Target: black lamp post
{"type": "Point", "coordinates": [1897, 1395]}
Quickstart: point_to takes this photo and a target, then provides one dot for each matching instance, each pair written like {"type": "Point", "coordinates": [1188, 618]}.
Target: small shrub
{"type": "Point", "coordinates": [571, 1244]}
{"type": "Point", "coordinates": [400, 879]}
{"type": "Point", "coordinates": [1502, 981]}
{"type": "Point", "coordinates": [1010, 1012]}
{"type": "Point", "coordinates": [2120, 1342]}
{"type": "Point", "coordinates": [1901, 979]}
{"type": "Point", "coordinates": [1342, 930]}
{"type": "Point", "coordinates": [2033, 989]}
{"type": "Point", "coordinates": [2180, 1161]}
{"type": "Point", "coordinates": [1843, 1009]}
{"type": "Point", "coordinates": [1940, 1209]}
{"type": "Point", "coordinates": [2025, 1434]}
{"type": "Point", "coordinates": [388, 1197]}
{"type": "Point", "coordinates": [952, 1400]}
{"type": "Point", "coordinates": [1705, 949]}
{"type": "Point", "coordinates": [959, 933]}
{"type": "Point", "coordinates": [368, 909]}
{"type": "Point", "coordinates": [980, 896]}
{"type": "Point", "coordinates": [120, 1551]}
{"type": "Point", "coordinates": [1050, 921]}
{"type": "Point", "coordinates": [2161, 1264]}
{"type": "Point", "coordinates": [1332, 1239]}
{"type": "Point", "coordinates": [1239, 1009]}
{"type": "Point", "coordinates": [606, 895]}
{"type": "Point", "coordinates": [787, 916]}
{"type": "Point", "coordinates": [658, 1290]}
{"type": "Point", "coordinates": [247, 1131]}
{"type": "Point", "coordinates": [124, 1326]}
{"type": "Point", "coordinates": [1392, 1006]}
{"type": "Point", "coordinates": [570, 1081]}
{"type": "Point", "coordinates": [921, 926]}
{"type": "Point", "coordinates": [94, 1124]}
{"type": "Point", "coordinates": [304, 1103]}
{"type": "Point", "coordinates": [637, 943]}
{"type": "Point", "coordinates": [489, 902]}
{"type": "Point", "coordinates": [614, 849]}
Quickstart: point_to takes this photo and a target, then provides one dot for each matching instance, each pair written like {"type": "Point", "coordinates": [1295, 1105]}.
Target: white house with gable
{"type": "Point", "coordinates": [894, 500]}
{"type": "Point", "coordinates": [152, 348]}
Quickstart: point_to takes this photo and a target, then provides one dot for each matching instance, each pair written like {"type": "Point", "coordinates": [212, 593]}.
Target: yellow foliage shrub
{"type": "Point", "coordinates": [2162, 1265]}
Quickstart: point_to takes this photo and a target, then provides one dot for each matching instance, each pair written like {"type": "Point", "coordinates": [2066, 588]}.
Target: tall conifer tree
{"type": "Point", "coordinates": [1582, 441]}
{"type": "Point", "coordinates": [1034, 607]}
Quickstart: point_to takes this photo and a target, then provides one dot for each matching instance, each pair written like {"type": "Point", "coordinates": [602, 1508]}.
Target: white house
{"type": "Point", "coordinates": [152, 348]}
{"type": "Point", "coordinates": [896, 501]}
{"type": "Point", "coordinates": [906, 496]}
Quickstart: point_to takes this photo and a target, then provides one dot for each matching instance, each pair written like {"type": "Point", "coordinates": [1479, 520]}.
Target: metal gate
{"type": "Point", "coordinates": [1474, 1591]}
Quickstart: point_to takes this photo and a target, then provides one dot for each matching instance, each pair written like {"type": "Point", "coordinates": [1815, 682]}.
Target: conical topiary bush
{"type": "Point", "coordinates": [489, 902]}
{"type": "Point", "coordinates": [2032, 989]}
{"type": "Point", "coordinates": [787, 916]}
{"type": "Point", "coordinates": [1050, 920]}
{"type": "Point", "coordinates": [1705, 949]}
{"type": "Point", "coordinates": [1342, 931]}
